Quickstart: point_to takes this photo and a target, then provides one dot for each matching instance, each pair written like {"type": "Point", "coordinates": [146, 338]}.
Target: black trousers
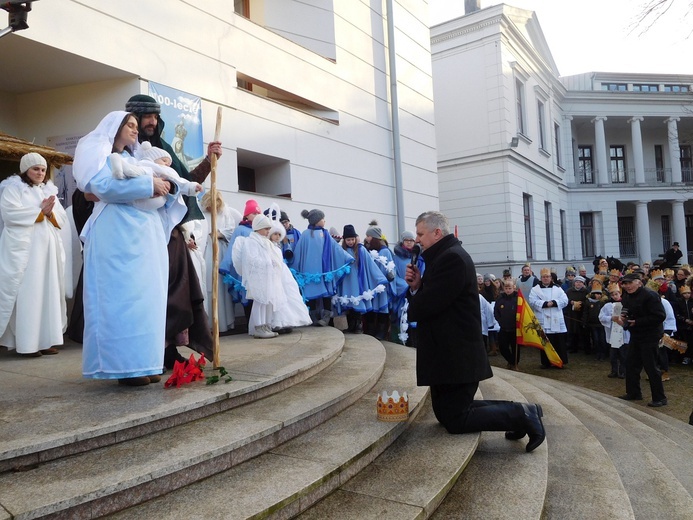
{"type": "Point", "coordinates": [558, 342]}
{"type": "Point", "coordinates": [643, 354]}
{"type": "Point", "coordinates": [455, 408]}
{"type": "Point", "coordinates": [507, 344]}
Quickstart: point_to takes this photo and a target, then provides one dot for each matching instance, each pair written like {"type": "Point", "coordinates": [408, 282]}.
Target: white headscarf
{"type": "Point", "coordinates": [94, 148]}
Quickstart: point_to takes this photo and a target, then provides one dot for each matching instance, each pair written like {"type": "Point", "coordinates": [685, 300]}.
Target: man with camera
{"type": "Point", "coordinates": [643, 315]}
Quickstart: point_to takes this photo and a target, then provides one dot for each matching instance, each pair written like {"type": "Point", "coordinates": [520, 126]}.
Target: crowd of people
{"type": "Point", "coordinates": [635, 316]}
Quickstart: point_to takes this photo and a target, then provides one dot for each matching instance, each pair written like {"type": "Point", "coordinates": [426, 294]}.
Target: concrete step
{"type": "Point", "coordinates": [501, 480]}
{"type": "Point", "coordinates": [107, 479]}
{"type": "Point", "coordinates": [50, 411]}
{"type": "Point", "coordinates": [652, 458]}
{"type": "Point", "coordinates": [653, 489]}
{"type": "Point", "coordinates": [289, 478]}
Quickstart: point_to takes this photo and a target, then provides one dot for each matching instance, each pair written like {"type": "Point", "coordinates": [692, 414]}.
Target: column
{"type": "Point", "coordinates": [600, 150]}
{"type": "Point", "coordinates": [674, 152]}
{"type": "Point", "coordinates": [567, 149]}
{"type": "Point", "coordinates": [678, 228]}
{"type": "Point", "coordinates": [642, 226]}
{"type": "Point", "coordinates": [636, 138]}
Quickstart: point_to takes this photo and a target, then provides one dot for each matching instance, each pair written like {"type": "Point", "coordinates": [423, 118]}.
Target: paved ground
{"type": "Point", "coordinates": [586, 371]}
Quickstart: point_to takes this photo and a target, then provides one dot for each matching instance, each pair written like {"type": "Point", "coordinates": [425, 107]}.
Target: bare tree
{"type": "Point", "coordinates": [654, 10]}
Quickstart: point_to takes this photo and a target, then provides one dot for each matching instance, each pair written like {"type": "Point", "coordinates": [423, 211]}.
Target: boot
{"type": "Point", "coordinates": [171, 355]}
{"type": "Point", "coordinates": [264, 332]}
{"type": "Point", "coordinates": [324, 320]}
{"type": "Point", "coordinates": [351, 322]}
{"type": "Point", "coordinates": [532, 427]}
{"type": "Point", "coordinates": [381, 326]}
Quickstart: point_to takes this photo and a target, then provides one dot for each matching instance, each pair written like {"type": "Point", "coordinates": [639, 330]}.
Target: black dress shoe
{"type": "Point", "coordinates": [514, 435]}
{"type": "Point", "coordinates": [534, 426]}
{"type": "Point", "coordinates": [657, 404]}
{"type": "Point", "coordinates": [628, 397]}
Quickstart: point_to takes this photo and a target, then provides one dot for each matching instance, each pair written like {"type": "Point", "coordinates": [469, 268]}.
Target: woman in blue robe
{"type": "Point", "coordinates": [378, 323]}
{"type": "Point", "coordinates": [125, 259]}
{"type": "Point", "coordinates": [319, 264]}
{"type": "Point", "coordinates": [364, 288]}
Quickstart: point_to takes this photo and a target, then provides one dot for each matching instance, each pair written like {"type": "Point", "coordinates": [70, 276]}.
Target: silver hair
{"type": "Point", "coordinates": [433, 220]}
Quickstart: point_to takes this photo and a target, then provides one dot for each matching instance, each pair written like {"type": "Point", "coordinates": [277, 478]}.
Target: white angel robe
{"type": "Point", "coordinates": [32, 269]}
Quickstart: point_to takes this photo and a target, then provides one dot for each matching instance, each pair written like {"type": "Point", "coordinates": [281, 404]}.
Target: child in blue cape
{"type": "Point", "coordinates": [318, 265]}
{"type": "Point", "coordinates": [364, 289]}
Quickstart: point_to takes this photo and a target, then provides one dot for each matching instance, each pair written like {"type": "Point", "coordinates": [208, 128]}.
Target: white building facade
{"type": "Point", "coordinates": [555, 170]}
{"type": "Point", "coordinates": [305, 88]}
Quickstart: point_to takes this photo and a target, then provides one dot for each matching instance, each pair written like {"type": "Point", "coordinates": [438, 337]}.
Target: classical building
{"type": "Point", "coordinates": [326, 104]}
{"type": "Point", "coordinates": [556, 169]}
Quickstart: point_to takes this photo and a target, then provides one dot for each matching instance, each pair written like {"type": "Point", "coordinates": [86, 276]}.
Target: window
{"type": "Point", "coordinates": [666, 233]}
{"type": "Point", "coordinates": [585, 165]}
{"type": "Point", "coordinates": [520, 106]}
{"type": "Point", "coordinates": [617, 154]}
{"type": "Point", "coordinates": [615, 87]}
{"type": "Point", "coordinates": [540, 121]}
{"type": "Point", "coordinates": [626, 236]}
{"type": "Point", "coordinates": [548, 220]}
{"type": "Point", "coordinates": [659, 162]}
{"type": "Point", "coordinates": [260, 173]}
{"type": "Point", "coordinates": [564, 239]}
{"type": "Point", "coordinates": [686, 163]}
{"type": "Point", "coordinates": [676, 88]}
{"type": "Point", "coordinates": [557, 143]}
{"type": "Point", "coordinates": [527, 212]}
{"type": "Point", "coordinates": [645, 88]}
{"type": "Point", "coordinates": [587, 234]}
{"type": "Point", "coordinates": [263, 89]}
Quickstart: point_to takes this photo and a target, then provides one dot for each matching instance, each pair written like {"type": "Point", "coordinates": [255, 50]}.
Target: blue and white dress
{"type": "Point", "coordinates": [364, 289]}
{"type": "Point", "coordinates": [319, 264]}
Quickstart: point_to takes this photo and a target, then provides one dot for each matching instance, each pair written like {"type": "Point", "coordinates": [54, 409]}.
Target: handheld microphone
{"type": "Point", "coordinates": [415, 252]}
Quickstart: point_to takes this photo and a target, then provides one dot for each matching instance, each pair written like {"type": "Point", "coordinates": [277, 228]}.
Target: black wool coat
{"type": "Point", "coordinates": [447, 312]}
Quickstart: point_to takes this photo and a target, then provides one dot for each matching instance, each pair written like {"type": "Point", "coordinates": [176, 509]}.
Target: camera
{"type": "Point", "coordinates": [17, 14]}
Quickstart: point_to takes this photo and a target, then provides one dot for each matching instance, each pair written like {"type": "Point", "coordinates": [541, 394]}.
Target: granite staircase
{"type": "Point", "coordinates": [295, 435]}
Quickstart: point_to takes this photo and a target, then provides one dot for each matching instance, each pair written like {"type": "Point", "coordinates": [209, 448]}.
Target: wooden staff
{"type": "Point", "coordinates": [215, 248]}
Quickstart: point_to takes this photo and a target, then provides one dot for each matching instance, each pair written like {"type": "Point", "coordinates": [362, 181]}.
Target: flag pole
{"type": "Point", "coordinates": [215, 248]}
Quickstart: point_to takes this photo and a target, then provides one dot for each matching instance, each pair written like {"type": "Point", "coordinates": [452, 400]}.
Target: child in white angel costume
{"type": "Point", "coordinates": [260, 264]}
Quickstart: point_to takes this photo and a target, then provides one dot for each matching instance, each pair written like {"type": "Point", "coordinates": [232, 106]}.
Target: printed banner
{"type": "Point", "coordinates": [182, 114]}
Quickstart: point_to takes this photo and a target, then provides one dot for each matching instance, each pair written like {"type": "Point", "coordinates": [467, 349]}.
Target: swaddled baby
{"type": "Point", "coordinates": [158, 161]}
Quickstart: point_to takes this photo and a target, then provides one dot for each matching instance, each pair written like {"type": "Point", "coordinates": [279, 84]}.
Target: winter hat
{"type": "Point", "coordinates": [283, 217]}
{"type": "Point", "coordinates": [142, 104]}
{"type": "Point", "coordinates": [261, 222]}
{"type": "Point", "coordinates": [373, 230]}
{"type": "Point", "coordinates": [277, 228]}
{"type": "Point", "coordinates": [349, 231]}
{"type": "Point", "coordinates": [251, 207]}
{"type": "Point", "coordinates": [579, 278]}
{"type": "Point", "coordinates": [314, 216]}
{"type": "Point", "coordinates": [151, 153]}
{"type": "Point", "coordinates": [488, 277]}
{"type": "Point", "coordinates": [507, 273]}
{"type": "Point", "coordinates": [407, 235]}
{"type": "Point", "coordinates": [31, 159]}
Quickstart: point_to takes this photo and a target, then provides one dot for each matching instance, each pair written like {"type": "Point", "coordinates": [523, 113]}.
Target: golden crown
{"type": "Point", "coordinates": [393, 408]}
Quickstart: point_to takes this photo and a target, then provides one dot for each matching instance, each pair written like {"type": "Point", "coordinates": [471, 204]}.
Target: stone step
{"type": "Point", "coordinates": [653, 459]}
{"type": "Point", "coordinates": [50, 411]}
{"type": "Point", "coordinates": [289, 478]}
{"type": "Point", "coordinates": [501, 481]}
{"type": "Point", "coordinates": [108, 479]}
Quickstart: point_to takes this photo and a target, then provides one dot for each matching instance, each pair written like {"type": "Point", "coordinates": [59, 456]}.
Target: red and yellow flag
{"type": "Point", "coordinates": [530, 333]}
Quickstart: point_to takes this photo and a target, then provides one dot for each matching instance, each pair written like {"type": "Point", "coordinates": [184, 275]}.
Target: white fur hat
{"type": "Point", "coordinates": [278, 228]}
{"type": "Point", "coordinates": [261, 222]}
{"type": "Point", "coordinates": [151, 153]}
{"type": "Point", "coordinates": [31, 159]}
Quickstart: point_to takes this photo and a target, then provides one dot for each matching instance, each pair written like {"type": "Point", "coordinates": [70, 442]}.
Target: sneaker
{"type": "Point", "coordinates": [628, 397]}
{"type": "Point", "coordinates": [665, 376]}
{"type": "Point", "coordinates": [612, 375]}
{"type": "Point", "coordinates": [657, 404]}
{"type": "Point", "coordinates": [686, 361]}
{"type": "Point", "coordinates": [264, 332]}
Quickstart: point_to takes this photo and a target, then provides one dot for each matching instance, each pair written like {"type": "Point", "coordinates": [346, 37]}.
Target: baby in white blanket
{"type": "Point", "coordinates": [150, 158]}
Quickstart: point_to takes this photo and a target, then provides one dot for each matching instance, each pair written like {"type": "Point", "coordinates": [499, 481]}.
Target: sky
{"type": "Point", "coordinates": [602, 35]}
